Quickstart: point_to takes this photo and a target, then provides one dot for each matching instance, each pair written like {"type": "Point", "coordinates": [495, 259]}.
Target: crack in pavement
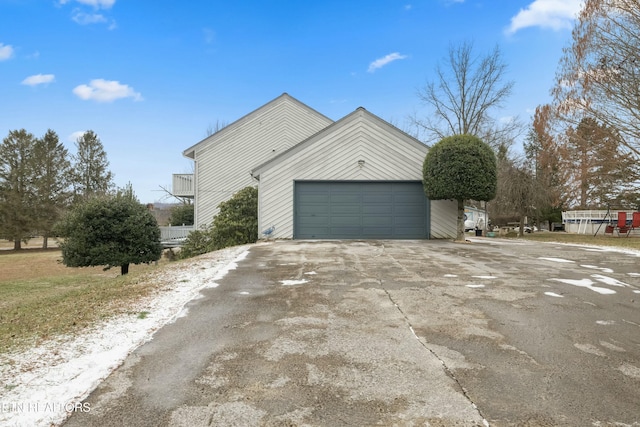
{"type": "Point", "coordinates": [448, 371]}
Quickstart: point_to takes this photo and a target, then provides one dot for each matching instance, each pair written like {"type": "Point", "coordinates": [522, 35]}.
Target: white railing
{"type": "Point", "coordinates": [592, 216]}
{"type": "Point", "coordinates": [175, 235]}
{"type": "Point", "coordinates": [183, 185]}
{"type": "Point", "coordinates": [590, 221]}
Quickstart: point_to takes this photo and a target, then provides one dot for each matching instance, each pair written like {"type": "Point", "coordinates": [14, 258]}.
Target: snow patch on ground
{"type": "Point", "coordinates": [475, 286]}
{"type": "Point", "coordinates": [556, 260]}
{"type": "Point", "coordinates": [586, 283]}
{"type": "Point", "coordinates": [553, 294]}
{"type": "Point", "coordinates": [595, 267]}
{"type": "Point", "coordinates": [485, 277]}
{"type": "Point", "coordinates": [293, 282]}
{"type": "Point", "coordinates": [41, 385]}
{"type": "Point", "coordinates": [609, 280]}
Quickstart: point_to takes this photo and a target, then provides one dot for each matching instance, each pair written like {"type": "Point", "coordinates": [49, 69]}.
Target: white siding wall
{"type": "Point", "coordinates": [444, 219]}
{"type": "Point", "coordinates": [333, 155]}
{"type": "Point", "coordinates": [225, 160]}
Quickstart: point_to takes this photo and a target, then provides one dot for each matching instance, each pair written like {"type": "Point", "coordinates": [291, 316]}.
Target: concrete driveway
{"type": "Point", "coordinates": [406, 333]}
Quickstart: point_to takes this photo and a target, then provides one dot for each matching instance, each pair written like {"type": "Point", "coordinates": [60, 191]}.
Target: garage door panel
{"type": "Point", "coordinates": [377, 221]}
{"type": "Point", "coordinates": [353, 209]}
{"type": "Point", "coordinates": [314, 220]}
{"type": "Point", "coordinates": [347, 232]}
{"type": "Point", "coordinates": [408, 209]}
{"type": "Point", "coordinates": [377, 209]}
{"type": "Point", "coordinates": [408, 221]}
{"type": "Point", "coordinates": [317, 209]}
{"type": "Point", "coordinates": [377, 198]}
{"type": "Point", "coordinates": [345, 198]}
{"type": "Point", "coordinates": [345, 220]}
{"type": "Point", "coordinates": [360, 210]}
{"type": "Point", "coordinates": [317, 198]}
{"type": "Point", "coordinates": [378, 233]}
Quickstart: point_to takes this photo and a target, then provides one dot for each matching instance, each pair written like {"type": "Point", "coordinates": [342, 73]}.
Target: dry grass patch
{"type": "Point", "coordinates": [631, 242]}
{"type": "Point", "coordinates": [41, 298]}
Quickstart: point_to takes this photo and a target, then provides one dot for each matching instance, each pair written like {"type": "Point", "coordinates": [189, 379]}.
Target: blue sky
{"type": "Point", "coordinates": [150, 77]}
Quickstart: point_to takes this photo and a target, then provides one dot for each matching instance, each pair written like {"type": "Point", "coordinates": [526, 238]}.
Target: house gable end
{"type": "Point", "coordinates": [370, 124]}
{"type": "Point", "coordinates": [285, 99]}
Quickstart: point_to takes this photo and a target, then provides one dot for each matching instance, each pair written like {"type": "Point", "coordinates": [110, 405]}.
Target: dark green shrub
{"type": "Point", "coordinates": [181, 215]}
{"type": "Point", "coordinates": [112, 231]}
{"type": "Point", "coordinates": [235, 224]}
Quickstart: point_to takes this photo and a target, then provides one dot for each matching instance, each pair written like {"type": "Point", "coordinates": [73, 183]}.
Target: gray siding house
{"type": "Point", "coordinates": [357, 178]}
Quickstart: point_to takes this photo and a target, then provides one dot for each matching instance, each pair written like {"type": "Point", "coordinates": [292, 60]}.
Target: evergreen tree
{"type": "Point", "coordinates": [52, 183]}
{"type": "Point", "coordinates": [17, 191]}
{"type": "Point", "coordinates": [91, 174]}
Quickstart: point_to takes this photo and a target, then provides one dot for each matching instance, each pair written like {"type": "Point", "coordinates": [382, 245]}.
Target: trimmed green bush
{"type": "Point", "coordinates": [112, 231]}
{"type": "Point", "coordinates": [235, 224]}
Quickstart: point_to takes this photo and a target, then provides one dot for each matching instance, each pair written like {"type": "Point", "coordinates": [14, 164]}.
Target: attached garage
{"type": "Point", "coordinates": [359, 178]}
{"type": "Point", "coordinates": [360, 210]}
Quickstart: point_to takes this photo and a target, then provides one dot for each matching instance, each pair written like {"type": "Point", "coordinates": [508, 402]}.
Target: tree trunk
{"type": "Point", "coordinates": [460, 234]}
{"type": "Point", "coordinates": [45, 241]}
{"type": "Point", "coordinates": [17, 244]}
{"type": "Point", "coordinates": [124, 269]}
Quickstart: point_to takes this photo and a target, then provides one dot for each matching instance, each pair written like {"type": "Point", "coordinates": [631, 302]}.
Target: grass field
{"type": "Point", "coordinates": [632, 242]}
{"type": "Point", "coordinates": [41, 298]}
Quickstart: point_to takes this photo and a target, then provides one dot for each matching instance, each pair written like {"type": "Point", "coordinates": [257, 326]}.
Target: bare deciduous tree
{"type": "Point", "coordinates": [466, 90]}
{"type": "Point", "coordinates": [215, 127]}
{"type": "Point", "coordinates": [599, 74]}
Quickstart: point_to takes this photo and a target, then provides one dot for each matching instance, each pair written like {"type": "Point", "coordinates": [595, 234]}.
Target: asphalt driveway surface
{"type": "Point", "coordinates": [407, 333]}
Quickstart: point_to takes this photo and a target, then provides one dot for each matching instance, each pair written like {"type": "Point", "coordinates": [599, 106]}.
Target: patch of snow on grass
{"type": "Point", "coordinates": [605, 322]}
{"type": "Point", "coordinates": [311, 273]}
{"type": "Point", "coordinates": [475, 286]}
{"type": "Point", "coordinates": [41, 384]}
{"type": "Point", "coordinates": [485, 277]}
{"type": "Point", "coordinates": [450, 275]}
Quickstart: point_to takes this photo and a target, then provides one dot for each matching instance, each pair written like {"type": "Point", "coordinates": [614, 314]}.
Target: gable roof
{"type": "Point", "coordinates": [359, 113]}
{"type": "Point", "coordinates": [190, 152]}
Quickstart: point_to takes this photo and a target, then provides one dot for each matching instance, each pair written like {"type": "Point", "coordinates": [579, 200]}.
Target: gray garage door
{"type": "Point", "coordinates": [360, 210]}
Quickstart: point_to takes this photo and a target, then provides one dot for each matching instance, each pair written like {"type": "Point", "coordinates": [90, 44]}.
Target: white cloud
{"type": "Point", "coordinates": [76, 135]}
{"type": "Point", "coordinates": [101, 90]}
{"type": "Point", "coordinates": [98, 4]}
{"type": "Point", "coordinates": [554, 14]}
{"type": "Point", "coordinates": [6, 51]}
{"type": "Point", "coordinates": [381, 62]}
{"type": "Point", "coordinates": [88, 18]}
{"type": "Point", "coordinates": [39, 79]}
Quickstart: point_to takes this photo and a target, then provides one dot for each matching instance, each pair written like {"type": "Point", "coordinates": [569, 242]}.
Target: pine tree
{"type": "Point", "coordinates": [52, 183]}
{"type": "Point", "coordinates": [17, 191]}
{"type": "Point", "coordinates": [91, 174]}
